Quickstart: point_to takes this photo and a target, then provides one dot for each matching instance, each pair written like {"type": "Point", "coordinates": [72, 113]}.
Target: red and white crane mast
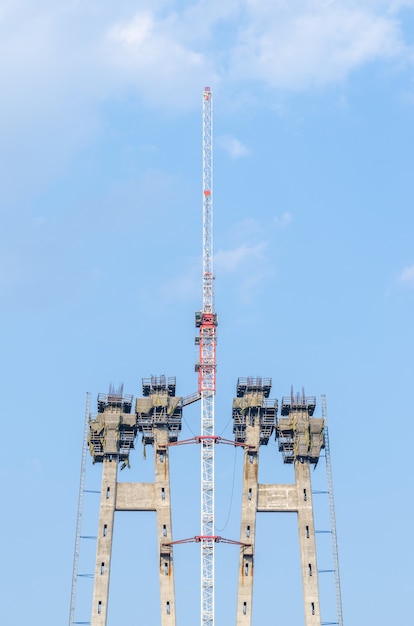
{"type": "Point", "coordinates": [206, 321]}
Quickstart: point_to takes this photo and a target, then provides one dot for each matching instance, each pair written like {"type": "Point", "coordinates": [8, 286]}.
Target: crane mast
{"type": "Point", "coordinates": [206, 321]}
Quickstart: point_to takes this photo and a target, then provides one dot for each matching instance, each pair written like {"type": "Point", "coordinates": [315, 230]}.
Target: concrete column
{"type": "Point", "coordinates": [164, 526]}
{"type": "Point", "coordinates": [104, 542]}
{"type": "Point", "coordinates": [307, 543]}
{"type": "Point", "coordinates": [248, 524]}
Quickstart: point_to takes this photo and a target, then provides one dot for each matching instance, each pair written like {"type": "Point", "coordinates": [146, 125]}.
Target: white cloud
{"type": "Point", "coordinates": [251, 284]}
{"type": "Point", "coordinates": [406, 276]}
{"type": "Point", "coordinates": [158, 59]}
{"type": "Point", "coordinates": [184, 285]}
{"type": "Point", "coordinates": [302, 45]}
{"type": "Point", "coordinates": [284, 220]}
{"type": "Point", "coordinates": [245, 270]}
{"type": "Point", "coordinates": [63, 60]}
{"type": "Point", "coordinates": [248, 228]}
{"type": "Point", "coordinates": [230, 260]}
{"type": "Point", "coordinates": [395, 5]}
{"type": "Point", "coordinates": [135, 32]}
{"type": "Point", "coordinates": [234, 147]}
{"type": "Point", "coordinates": [164, 50]}
{"type": "Point", "coordinates": [290, 46]}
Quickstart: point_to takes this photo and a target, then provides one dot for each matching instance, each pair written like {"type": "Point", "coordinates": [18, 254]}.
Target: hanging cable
{"type": "Point", "coordinates": [231, 496]}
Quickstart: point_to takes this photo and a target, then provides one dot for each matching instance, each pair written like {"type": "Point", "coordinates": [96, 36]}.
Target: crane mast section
{"type": "Point", "coordinates": [208, 295]}
{"type": "Point", "coordinates": [206, 321]}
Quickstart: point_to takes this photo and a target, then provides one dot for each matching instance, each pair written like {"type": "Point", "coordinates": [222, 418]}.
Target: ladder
{"type": "Point", "coordinates": [332, 514]}
{"type": "Point", "coordinates": [75, 573]}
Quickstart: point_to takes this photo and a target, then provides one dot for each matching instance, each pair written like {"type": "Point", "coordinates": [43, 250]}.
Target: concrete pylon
{"type": "Point", "coordinates": [112, 433]}
{"type": "Point", "coordinates": [300, 439]}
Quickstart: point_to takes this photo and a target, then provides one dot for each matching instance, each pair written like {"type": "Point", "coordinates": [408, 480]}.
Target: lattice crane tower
{"type": "Point", "coordinates": [206, 321]}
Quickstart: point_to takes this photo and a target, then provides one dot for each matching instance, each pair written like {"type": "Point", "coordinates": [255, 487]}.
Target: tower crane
{"type": "Point", "coordinates": [206, 322]}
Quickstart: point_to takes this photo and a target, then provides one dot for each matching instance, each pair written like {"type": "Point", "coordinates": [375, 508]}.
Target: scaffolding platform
{"type": "Point", "coordinates": [158, 384]}
{"type": "Point", "coordinates": [300, 435]}
{"type": "Point", "coordinates": [113, 430]}
{"type": "Point", "coordinates": [254, 384]}
{"type": "Point", "coordinates": [298, 402]}
{"type": "Point", "coordinates": [159, 408]}
{"type": "Point", "coordinates": [252, 403]}
{"type": "Point", "coordinates": [115, 399]}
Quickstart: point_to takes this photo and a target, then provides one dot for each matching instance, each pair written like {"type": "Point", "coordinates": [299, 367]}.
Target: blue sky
{"type": "Point", "coordinates": [100, 275]}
